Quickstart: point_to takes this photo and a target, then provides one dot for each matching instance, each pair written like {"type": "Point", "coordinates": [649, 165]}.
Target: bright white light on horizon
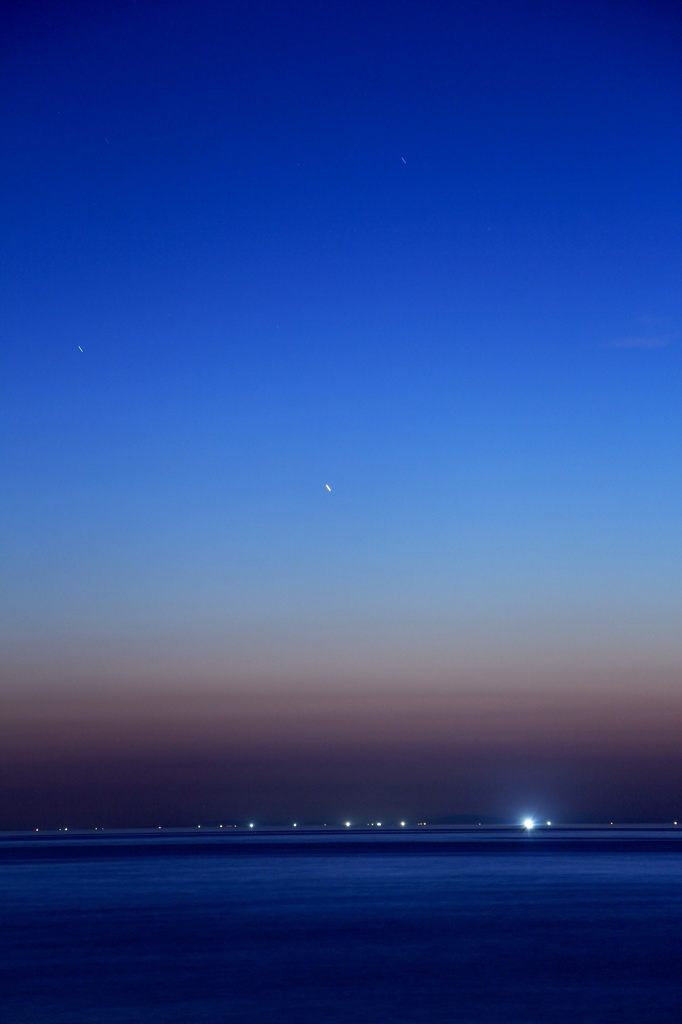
{"type": "Point", "coordinates": [403, 824]}
{"type": "Point", "coordinates": [347, 824]}
{"type": "Point", "coordinates": [250, 824]}
{"type": "Point", "coordinates": [528, 824]}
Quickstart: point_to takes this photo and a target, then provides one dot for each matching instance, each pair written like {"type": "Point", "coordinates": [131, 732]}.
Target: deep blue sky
{"type": "Point", "coordinates": [428, 254]}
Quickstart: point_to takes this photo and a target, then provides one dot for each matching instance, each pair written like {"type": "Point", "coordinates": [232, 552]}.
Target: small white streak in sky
{"type": "Point", "coordinates": [80, 349]}
{"type": "Point", "coordinates": [403, 159]}
{"type": "Point", "coordinates": [328, 487]}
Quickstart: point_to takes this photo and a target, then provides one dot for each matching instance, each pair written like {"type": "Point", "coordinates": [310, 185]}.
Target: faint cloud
{"type": "Point", "coordinates": [640, 341]}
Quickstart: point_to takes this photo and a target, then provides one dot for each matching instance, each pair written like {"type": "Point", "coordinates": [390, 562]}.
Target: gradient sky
{"type": "Point", "coordinates": [425, 253]}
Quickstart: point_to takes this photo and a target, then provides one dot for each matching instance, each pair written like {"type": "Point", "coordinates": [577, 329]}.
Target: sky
{"type": "Point", "coordinates": [341, 412]}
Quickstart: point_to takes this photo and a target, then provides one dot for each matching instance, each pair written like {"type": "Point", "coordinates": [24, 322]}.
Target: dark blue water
{"type": "Point", "coordinates": [412, 928]}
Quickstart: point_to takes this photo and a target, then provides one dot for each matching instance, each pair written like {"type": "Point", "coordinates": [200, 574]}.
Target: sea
{"type": "Point", "coordinates": [469, 925]}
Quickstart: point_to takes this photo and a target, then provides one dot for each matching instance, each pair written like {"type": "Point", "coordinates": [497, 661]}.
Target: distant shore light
{"type": "Point", "coordinates": [528, 824]}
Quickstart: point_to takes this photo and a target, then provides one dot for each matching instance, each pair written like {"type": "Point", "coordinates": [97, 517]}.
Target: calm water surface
{"type": "Point", "coordinates": [423, 929]}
